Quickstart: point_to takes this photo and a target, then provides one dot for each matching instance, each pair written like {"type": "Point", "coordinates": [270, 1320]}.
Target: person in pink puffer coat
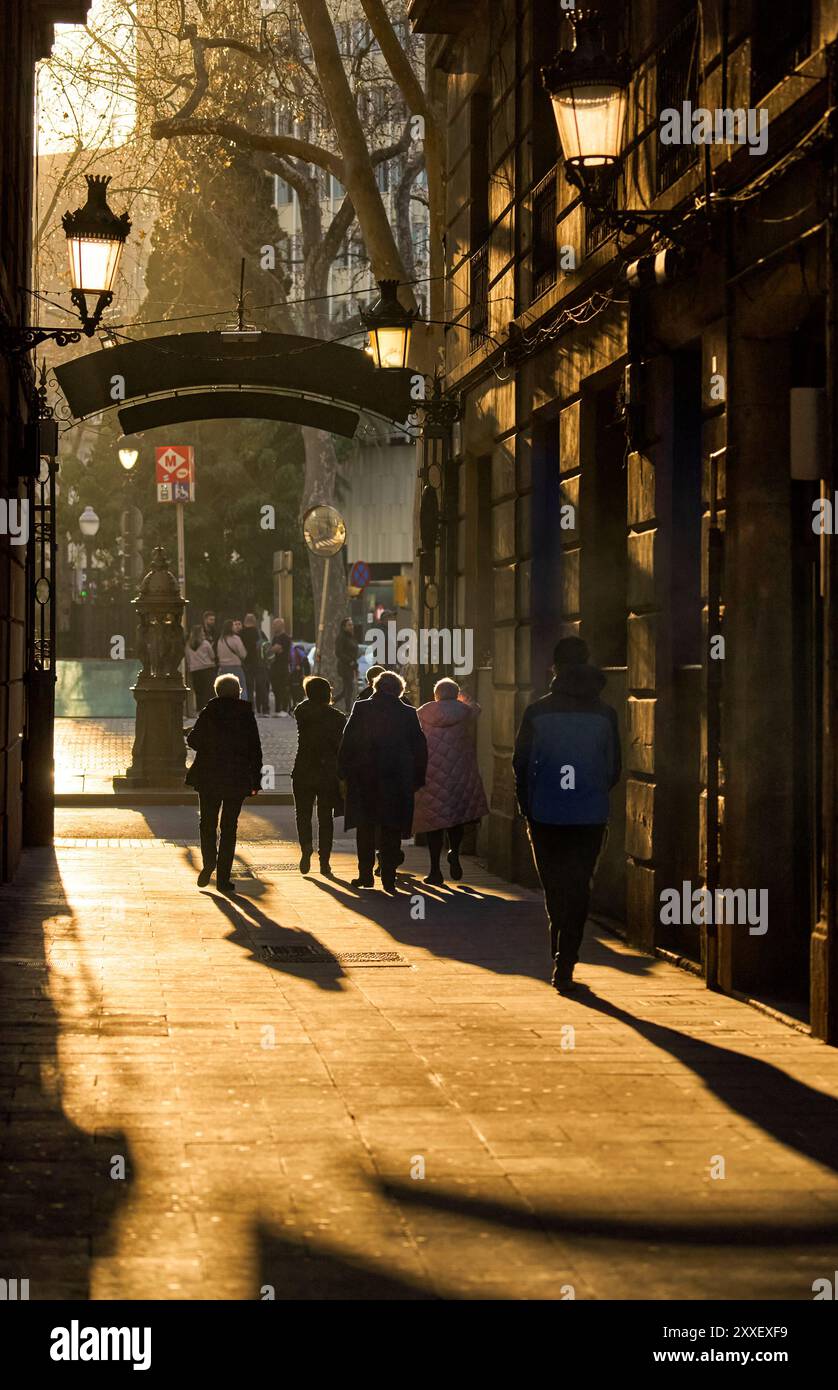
{"type": "Point", "coordinates": [453, 793]}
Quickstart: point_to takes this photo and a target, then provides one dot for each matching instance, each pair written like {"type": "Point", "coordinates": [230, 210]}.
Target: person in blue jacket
{"type": "Point", "coordinates": [566, 760]}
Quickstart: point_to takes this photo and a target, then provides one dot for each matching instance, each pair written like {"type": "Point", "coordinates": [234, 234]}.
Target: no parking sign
{"type": "Point", "coordinates": [359, 575]}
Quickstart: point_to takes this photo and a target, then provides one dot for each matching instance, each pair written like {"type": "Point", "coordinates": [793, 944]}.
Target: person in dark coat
{"type": "Point", "coordinates": [566, 761]}
{"type": "Point", "coordinates": [280, 674]}
{"type": "Point", "coordinates": [228, 768]}
{"type": "Point", "coordinates": [314, 777]}
{"type": "Point", "coordinates": [346, 655]}
{"type": "Point", "coordinates": [252, 638]}
{"type": "Point", "coordinates": [366, 693]}
{"type": "Point", "coordinates": [383, 757]}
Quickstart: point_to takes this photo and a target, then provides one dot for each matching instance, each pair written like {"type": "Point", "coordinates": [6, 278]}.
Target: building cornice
{"type": "Point", "coordinates": [47, 13]}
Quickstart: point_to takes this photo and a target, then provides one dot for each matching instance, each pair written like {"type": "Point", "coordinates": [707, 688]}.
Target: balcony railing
{"type": "Point", "coordinates": [677, 81]}
{"type": "Point", "coordinates": [478, 293]}
{"type": "Point", "coordinates": [545, 260]}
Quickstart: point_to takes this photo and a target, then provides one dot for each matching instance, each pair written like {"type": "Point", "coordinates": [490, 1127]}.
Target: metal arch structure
{"type": "Point", "coordinates": [201, 376]}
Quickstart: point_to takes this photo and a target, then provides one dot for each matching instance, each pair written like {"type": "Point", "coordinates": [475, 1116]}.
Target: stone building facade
{"type": "Point", "coordinates": [633, 461]}
{"type": "Point", "coordinates": [25, 717]}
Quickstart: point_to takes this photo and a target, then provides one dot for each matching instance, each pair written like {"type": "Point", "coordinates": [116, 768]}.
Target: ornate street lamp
{"type": "Point", "coordinates": [95, 238]}
{"type": "Point", "coordinates": [388, 324]}
{"type": "Point", "coordinates": [89, 523]}
{"type": "Point", "coordinates": [588, 87]}
{"type": "Point", "coordinates": [128, 457]}
{"type": "Point", "coordinates": [589, 91]}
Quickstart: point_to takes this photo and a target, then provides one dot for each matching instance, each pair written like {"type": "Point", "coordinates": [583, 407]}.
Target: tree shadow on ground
{"type": "Point", "coordinates": [596, 1225]}
{"type": "Point", "coordinates": [59, 1199]}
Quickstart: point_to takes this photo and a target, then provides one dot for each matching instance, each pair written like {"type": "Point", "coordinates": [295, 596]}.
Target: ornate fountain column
{"type": "Point", "coordinates": [158, 758]}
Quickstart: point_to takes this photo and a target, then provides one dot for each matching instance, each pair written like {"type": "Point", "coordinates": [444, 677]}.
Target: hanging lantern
{"type": "Point", "coordinates": [388, 324]}
{"type": "Point", "coordinates": [589, 91]}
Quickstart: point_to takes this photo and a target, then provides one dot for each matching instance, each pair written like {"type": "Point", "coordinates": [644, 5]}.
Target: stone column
{"type": "Point", "coordinates": [758, 832]}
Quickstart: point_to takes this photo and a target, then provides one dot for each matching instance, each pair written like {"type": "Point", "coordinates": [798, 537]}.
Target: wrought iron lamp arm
{"type": "Point", "coordinates": [24, 339]}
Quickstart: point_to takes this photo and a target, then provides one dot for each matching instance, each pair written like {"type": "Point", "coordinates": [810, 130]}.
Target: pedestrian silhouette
{"type": "Point", "coordinates": [314, 776]}
{"type": "Point", "coordinates": [346, 655]}
{"type": "Point", "coordinates": [453, 794]}
{"type": "Point", "coordinates": [566, 760]}
{"type": "Point", "coordinates": [227, 768]}
{"type": "Point", "coordinates": [383, 757]}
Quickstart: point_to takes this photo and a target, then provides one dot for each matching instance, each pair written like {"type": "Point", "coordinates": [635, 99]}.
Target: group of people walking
{"type": "Point", "coordinates": [239, 648]}
{"type": "Point", "coordinates": [394, 772]}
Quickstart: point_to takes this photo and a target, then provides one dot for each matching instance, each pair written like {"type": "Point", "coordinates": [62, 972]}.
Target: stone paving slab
{"type": "Point", "coordinates": [182, 1118]}
{"type": "Point", "coordinates": [89, 753]}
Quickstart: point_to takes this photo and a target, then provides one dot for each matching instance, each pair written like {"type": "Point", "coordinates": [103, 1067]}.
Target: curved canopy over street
{"type": "Point", "coordinates": [306, 380]}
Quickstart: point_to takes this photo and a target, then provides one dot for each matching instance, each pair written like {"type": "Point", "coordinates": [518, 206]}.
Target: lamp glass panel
{"type": "Point", "coordinates": [128, 457]}
{"type": "Point", "coordinates": [392, 346]}
{"type": "Point", "coordinates": [93, 264]}
{"type": "Point", "coordinates": [590, 123]}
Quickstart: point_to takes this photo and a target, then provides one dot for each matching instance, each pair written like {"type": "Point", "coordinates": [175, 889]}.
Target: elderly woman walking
{"type": "Point", "coordinates": [227, 769]}
{"type": "Point", "coordinates": [453, 794]}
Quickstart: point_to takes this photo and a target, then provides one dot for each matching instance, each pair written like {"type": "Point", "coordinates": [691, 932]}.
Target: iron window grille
{"type": "Point", "coordinates": [479, 296]}
{"type": "Point", "coordinates": [780, 41]}
{"type": "Point", "coordinates": [597, 229]}
{"type": "Point", "coordinates": [677, 81]}
{"type": "Point", "coordinates": [544, 241]}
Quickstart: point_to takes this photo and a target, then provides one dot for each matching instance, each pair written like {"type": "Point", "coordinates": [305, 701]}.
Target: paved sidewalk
{"type": "Point", "coordinates": [202, 1098]}
{"type": "Point", "coordinates": [89, 753]}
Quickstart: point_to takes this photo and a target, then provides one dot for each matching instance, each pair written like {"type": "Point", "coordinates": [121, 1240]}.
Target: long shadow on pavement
{"type": "Point", "coordinates": [294, 1271]}
{"type": "Point", "coordinates": [793, 1113]}
{"type": "Point", "coordinates": [456, 925]}
{"type": "Point", "coordinates": [594, 1225]}
{"type": "Point", "coordinates": [58, 1197]}
{"type": "Point", "coordinates": [254, 931]}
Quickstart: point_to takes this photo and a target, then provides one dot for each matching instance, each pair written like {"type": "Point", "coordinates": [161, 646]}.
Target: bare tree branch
{"type": "Point", "coordinates": [173, 128]}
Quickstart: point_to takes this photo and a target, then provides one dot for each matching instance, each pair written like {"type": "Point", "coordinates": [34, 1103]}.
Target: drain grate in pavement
{"type": "Point", "coordinates": [319, 955]}
{"type": "Point", "coordinates": [285, 867]}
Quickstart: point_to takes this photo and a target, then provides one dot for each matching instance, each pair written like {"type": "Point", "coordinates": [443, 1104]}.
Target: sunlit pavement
{"type": "Point", "coordinates": [183, 1118]}
{"type": "Point", "coordinates": [89, 753]}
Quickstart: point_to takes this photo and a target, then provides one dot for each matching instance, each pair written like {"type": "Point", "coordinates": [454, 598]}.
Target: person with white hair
{"type": "Point", "coordinates": [382, 758]}
{"type": "Point", "coordinates": [453, 794]}
{"type": "Point", "coordinates": [227, 768]}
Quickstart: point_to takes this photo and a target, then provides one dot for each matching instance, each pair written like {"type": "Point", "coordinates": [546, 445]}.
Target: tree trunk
{"type": "Point", "coordinates": [420, 103]}
{"type": "Point", "coordinates": [358, 174]}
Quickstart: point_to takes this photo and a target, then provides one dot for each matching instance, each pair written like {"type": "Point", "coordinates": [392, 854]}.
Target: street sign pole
{"type": "Point", "coordinates": [322, 622]}
{"type": "Point", "coordinates": [181, 555]}
{"type": "Point", "coordinates": [181, 580]}
{"type": "Point", "coordinates": [324, 530]}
